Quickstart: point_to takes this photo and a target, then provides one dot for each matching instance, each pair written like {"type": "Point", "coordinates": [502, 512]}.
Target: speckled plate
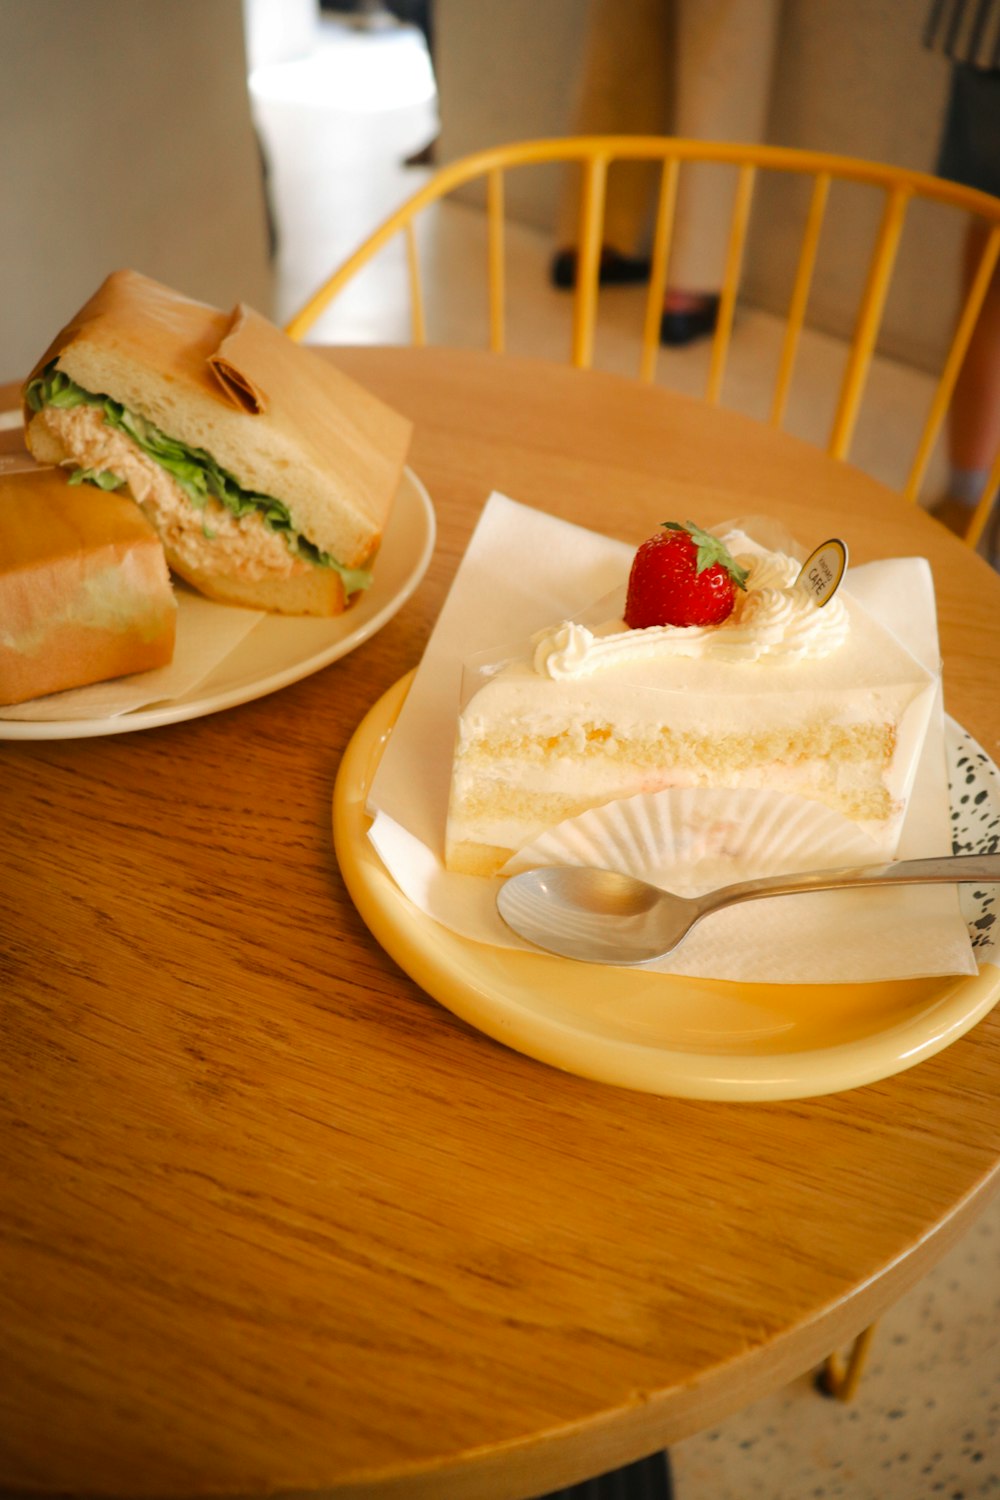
{"type": "Point", "coordinates": [974, 791]}
{"type": "Point", "coordinates": [660, 1033]}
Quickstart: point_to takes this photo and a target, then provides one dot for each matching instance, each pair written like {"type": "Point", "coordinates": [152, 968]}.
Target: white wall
{"type": "Point", "coordinates": [507, 70]}
{"type": "Point", "coordinates": [127, 142]}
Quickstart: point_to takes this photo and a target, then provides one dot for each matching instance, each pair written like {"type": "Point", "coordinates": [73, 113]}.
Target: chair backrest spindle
{"type": "Point", "coordinates": [739, 225]}
{"type": "Point", "coordinates": [418, 321]}
{"type": "Point", "coordinates": [953, 363]}
{"type": "Point", "coordinates": [592, 198]}
{"type": "Point", "coordinates": [666, 205]}
{"type": "Point", "coordinates": [800, 296]}
{"type": "Point", "coordinates": [869, 320]}
{"type": "Point", "coordinates": [495, 258]}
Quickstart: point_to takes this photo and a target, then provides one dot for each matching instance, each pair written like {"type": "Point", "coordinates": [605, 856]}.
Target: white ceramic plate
{"type": "Point", "coordinates": [660, 1033]}
{"type": "Point", "coordinates": [282, 649]}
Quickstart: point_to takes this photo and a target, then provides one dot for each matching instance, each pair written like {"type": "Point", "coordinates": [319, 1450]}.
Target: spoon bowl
{"type": "Point", "coordinates": [605, 917]}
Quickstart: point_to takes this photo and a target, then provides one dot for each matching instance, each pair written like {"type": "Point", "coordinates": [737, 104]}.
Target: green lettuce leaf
{"type": "Point", "coordinates": [196, 471]}
{"type": "Point", "coordinates": [103, 478]}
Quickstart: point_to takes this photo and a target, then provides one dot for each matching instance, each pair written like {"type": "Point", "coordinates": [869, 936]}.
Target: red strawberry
{"type": "Point", "coordinates": [682, 576]}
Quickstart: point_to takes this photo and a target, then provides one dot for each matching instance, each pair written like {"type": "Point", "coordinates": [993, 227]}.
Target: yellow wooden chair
{"type": "Point", "coordinates": [595, 154]}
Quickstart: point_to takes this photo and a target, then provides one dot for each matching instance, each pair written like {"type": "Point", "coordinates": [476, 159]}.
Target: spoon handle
{"type": "Point", "coordinates": [944, 869]}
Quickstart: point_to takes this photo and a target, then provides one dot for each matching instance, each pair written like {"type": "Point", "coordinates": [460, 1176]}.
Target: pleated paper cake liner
{"type": "Point", "coordinates": [689, 840]}
{"type": "Point", "coordinates": [695, 839]}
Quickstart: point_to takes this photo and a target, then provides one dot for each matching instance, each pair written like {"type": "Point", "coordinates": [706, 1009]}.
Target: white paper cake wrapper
{"type": "Point", "coordinates": [695, 839]}
{"type": "Point", "coordinates": [524, 570]}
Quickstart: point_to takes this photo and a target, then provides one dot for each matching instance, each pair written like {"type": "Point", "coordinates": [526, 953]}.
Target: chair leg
{"type": "Point", "coordinates": [839, 1377]}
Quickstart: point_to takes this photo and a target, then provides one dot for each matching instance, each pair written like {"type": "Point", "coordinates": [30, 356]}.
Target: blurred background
{"type": "Point", "coordinates": [134, 138]}
{"type": "Point", "coordinates": [238, 149]}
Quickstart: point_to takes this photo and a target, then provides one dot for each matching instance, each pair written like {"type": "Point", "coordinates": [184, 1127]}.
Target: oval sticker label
{"type": "Point", "coordinates": [823, 570]}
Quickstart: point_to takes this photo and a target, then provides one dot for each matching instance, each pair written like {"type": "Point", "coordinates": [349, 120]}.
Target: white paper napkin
{"type": "Point", "coordinates": [524, 570]}
{"type": "Point", "coordinates": [206, 633]}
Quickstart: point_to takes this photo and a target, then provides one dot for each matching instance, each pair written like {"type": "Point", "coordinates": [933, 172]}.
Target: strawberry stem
{"type": "Point", "coordinates": [710, 550]}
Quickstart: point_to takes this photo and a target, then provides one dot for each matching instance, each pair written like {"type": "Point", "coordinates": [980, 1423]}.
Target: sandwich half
{"type": "Point", "coordinates": [84, 590]}
{"type": "Point", "coordinates": [267, 474]}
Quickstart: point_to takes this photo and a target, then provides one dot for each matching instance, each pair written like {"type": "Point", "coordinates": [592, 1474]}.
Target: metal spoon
{"type": "Point", "coordinates": [603, 917]}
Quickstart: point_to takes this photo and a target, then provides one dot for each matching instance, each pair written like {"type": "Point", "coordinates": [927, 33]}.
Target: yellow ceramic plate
{"type": "Point", "coordinates": [696, 1038]}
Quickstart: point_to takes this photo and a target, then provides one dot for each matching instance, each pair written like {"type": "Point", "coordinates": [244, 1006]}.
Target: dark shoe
{"type": "Point", "coordinates": [614, 269]}
{"type": "Point", "coordinates": [696, 322]}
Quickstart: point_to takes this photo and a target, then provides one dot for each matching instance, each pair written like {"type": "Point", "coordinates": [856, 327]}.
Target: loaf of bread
{"type": "Point", "coordinates": [85, 592]}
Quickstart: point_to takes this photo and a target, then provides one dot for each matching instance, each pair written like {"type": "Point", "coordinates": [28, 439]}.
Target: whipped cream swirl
{"type": "Point", "coordinates": [772, 619]}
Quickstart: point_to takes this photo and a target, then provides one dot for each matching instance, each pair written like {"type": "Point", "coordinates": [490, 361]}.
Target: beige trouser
{"type": "Point", "coordinates": [690, 68]}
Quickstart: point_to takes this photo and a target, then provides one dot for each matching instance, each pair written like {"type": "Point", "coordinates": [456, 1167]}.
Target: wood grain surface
{"type": "Point", "coordinates": [274, 1222]}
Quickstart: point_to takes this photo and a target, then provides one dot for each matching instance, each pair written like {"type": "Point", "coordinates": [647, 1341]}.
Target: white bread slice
{"type": "Point", "coordinates": [84, 590]}
{"type": "Point", "coordinates": [278, 416]}
{"type": "Point", "coordinates": [313, 591]}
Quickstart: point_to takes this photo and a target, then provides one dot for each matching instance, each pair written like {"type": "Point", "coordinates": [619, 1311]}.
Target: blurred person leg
{"type": "Point", "coordinates": [970, 153]}
{"type": "Point", "coordinates": [624, 88]}
{"type": "Point", "coordinates": [724, 62]}
{"type": "Point", "coordinates": [974, 429]}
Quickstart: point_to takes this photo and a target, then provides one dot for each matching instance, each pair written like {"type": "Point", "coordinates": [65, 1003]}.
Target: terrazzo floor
{"type": "Point", "coordinates": [925, 1421]}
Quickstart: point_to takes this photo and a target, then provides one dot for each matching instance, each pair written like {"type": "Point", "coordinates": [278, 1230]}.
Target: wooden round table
{"type": "Point", "coordinates": [272, 1220]}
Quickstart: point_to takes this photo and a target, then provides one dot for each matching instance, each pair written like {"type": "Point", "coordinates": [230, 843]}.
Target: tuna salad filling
{"type": "Point", "coordinates": [188, 496]}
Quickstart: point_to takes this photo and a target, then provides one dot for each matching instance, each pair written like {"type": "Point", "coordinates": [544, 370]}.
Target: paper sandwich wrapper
{"type": "Point", "coordinates": [525, 570]}
{"type": "Point", "coordinates": [84, 588]}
